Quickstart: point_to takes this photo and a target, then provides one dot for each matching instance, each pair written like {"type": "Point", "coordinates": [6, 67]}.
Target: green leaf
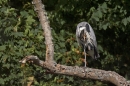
{"type": "Point", "coordinates": [96, 18]}
{"type": "Point", "coordinates": [24, 13]}
{"type": "Point", "coordinates": [128, 19]}
{"type": "Point", "coordinates": [30, 20]}
{"type": "Point", "coordinates": [7, 65]}
{"type": "Point", "coordinates": [18, 34]}
{"type": "Point", "coordinates": [124, 21]}
{"type": "Point", "coordinates": [70, 79]}
{"type": "Point", "coordinates": [2, 81]}
{"type": "Point", "coordinates": [105, 26]}
{"type": "Point", "coordinates": [62, 44]}
{"type": "Point", "coordinates": [104, 5]}
{"type": "Point", "coordinates": [40, 37]}
{"type": "Point", "coordinates": [100, 48]}
{"type": "Point", "coordinates": [2, 48]}
{"type": "Point", "coordinates": [99, 13]}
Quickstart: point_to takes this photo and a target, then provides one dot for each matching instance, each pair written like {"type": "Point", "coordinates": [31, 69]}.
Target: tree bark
{"type": "Point", "coordinates": [50, 64]}
{"type": "Point", "coordinates": [83, 72]}
{"type": "Point", "coordinates": [39, 8]}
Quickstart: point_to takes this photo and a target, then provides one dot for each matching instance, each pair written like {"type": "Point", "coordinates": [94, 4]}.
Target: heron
{"type": "Point", "coordinates": [86, 39]}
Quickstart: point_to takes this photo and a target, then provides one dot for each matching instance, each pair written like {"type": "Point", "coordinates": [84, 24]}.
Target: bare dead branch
{"type": "Point", "coordinates": [83, 72]}
{"type": "Point", "coordinates": [39, 8]}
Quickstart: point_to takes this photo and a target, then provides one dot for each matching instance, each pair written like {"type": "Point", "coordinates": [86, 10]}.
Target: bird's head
{"type": "Point", "coordinates": [80, 29]}
{"type": "Point", "coordinates": [83, 26]}
{"type": "Point", "coordinates": [83, 33]}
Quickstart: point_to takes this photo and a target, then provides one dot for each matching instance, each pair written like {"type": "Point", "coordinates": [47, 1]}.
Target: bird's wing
{"type": "Point", "coordinates": [93, 37]}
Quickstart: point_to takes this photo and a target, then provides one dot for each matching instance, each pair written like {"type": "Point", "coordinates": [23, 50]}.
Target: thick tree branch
{"type": "Point", "coordinates": [83, 72]}
{"type": "Point", "coordinates": [39, 7]}
{"type": "Point", "coordinates": [50, 64]}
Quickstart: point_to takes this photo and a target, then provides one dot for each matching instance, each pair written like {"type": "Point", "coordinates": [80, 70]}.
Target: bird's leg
{"type": "Point", "coordinates": [84, 46]}
{"type": "Point", "coordinates": [85, 55]}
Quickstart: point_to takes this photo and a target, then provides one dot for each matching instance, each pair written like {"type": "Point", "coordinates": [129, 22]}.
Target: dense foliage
{"type": "Point", "coordinates": [21, 35]}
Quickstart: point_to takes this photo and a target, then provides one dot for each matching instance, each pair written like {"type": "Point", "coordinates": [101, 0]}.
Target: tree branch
{"type": "Point", "coordinates": [39, 8]}
{"type": "Point", "coordinates": [83, 72]}
{"type": "Point", "coordinates": [50, 64]}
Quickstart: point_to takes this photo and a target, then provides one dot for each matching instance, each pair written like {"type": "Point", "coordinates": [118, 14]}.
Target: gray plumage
{"type": "Point", "coordinates": [86, 39]}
